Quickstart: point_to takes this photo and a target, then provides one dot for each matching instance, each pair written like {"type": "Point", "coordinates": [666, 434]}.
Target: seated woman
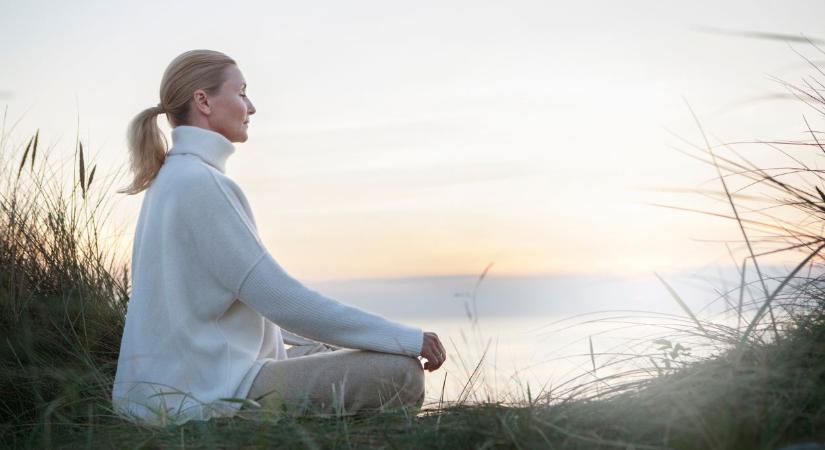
{"type": "Point", "coordinates": [211, 309]}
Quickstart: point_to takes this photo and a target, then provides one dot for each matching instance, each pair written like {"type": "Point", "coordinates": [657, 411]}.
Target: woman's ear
{"type": "Point", "coordinates": [201, 101]}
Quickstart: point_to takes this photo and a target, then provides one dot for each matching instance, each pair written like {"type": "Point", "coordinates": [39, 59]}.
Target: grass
{"type": "Point", "coordinates": [757, 381]}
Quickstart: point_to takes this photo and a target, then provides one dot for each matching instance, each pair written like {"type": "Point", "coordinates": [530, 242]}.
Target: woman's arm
{"type": "Point", "coordinates": [432, 349]}
{"type": "Point", "coordinates": [282, 299]}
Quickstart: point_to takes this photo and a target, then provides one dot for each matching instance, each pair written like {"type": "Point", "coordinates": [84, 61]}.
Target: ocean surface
{"type": "Point", "coordinates": [547, 334]}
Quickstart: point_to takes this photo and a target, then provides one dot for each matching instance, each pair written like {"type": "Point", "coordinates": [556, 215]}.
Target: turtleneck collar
{"type": "Point", "coordinates": [210, 146]}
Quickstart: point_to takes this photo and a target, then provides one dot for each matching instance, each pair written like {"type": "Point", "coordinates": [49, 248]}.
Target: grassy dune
{"type": "Point", "coordinates": [63, 301]}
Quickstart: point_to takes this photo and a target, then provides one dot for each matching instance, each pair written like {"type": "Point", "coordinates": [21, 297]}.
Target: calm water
{"type": "Point", "coordinates": [538, 330]}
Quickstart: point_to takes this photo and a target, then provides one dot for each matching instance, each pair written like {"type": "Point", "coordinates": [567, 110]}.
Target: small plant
{"type": "Point", "coordinates": [672, 356]}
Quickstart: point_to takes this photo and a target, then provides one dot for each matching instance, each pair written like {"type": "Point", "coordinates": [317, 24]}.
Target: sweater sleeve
{"type": "Point", "coordinates": [228, 247]}
{"type": "Point", "coordinates": [296, 308]}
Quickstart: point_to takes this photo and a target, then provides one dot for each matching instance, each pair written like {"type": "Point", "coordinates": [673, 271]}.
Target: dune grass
{"type": "Point", "coordinates": [759, 384]}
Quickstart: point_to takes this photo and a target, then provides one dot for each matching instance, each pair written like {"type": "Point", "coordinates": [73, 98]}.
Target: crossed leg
{"type": "Point", "coordinates": [320, 379]}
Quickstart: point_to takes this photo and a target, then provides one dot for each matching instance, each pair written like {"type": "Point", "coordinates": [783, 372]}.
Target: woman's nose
{"type": "Point", "coordinates": [250, 109]}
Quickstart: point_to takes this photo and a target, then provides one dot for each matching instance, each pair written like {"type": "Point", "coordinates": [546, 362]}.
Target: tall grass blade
{"type": "Point", "coordinates": [34, 149]}
{"type": "Point", "coordinates": [82, 165]}
{"type": "Point", "coordinates": [710, 151]}
{"type": "Point", "coordinates": [760, 35]}
{"type": "Point", "coordinates": [741, 298]}
{"type": "Point", "coordinates": [821, 194]}
{"type": "Point", "coordinates": [443, 387]}
{"type": "Point", "coordinates": [25, 155]}
{"type": "Point", "coordinates": [471, 380]}
{"type": "Point", "coordinates": [768, 301]}
{"type": "Point", "coordinates": [475, 289]}
{"type": "Point", "coordinates": [818, 144]}
{"type": "Point", "coordinates": [91, 177]}
{"type": "Point", "coordinates": [684, 306]}
{"type": "Point", "coordinates": [592, 354]}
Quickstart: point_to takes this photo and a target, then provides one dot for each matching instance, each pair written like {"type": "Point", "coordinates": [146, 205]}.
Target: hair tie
{"type": "Point", "coordinates": [160, 108]}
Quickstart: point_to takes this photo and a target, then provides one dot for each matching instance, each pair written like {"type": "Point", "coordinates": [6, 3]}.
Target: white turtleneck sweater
{"type": "Point", "coordinates": [208, 300]}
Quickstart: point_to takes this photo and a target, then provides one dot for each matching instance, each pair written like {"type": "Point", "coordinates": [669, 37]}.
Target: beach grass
{"type": "Point", "coordinates": [760, 384]}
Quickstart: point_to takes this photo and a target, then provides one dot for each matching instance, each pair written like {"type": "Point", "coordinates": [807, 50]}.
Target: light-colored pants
{"type": "Point", "coordinates": [325, 380]}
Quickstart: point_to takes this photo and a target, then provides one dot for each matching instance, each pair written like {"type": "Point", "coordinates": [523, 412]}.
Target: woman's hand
{"type": "Point", "coordinates": [433, 351]}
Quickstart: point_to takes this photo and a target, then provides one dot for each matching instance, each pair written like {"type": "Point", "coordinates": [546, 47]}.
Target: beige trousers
{"type": "Point", "coordinates": [325, 380]}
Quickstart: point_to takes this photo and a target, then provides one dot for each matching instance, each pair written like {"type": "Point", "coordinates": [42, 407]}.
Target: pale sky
{"type": "Point", "coordinates": [432, 138]}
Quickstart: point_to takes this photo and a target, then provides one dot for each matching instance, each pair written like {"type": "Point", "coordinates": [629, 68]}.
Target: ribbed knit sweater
{"type": "Point", "coordinates": [209, 301]}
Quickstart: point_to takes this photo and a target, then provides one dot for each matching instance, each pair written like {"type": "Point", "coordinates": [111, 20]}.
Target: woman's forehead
{"type": "Point", "coordinates": [235, 76]}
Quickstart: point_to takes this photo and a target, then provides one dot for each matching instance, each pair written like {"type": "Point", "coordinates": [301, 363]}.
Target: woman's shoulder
{"type": "Point", "coordinates": [199, 186]}
{"type": "Point", "coordinates": [183, 177]}
{"type": "Point", "coordinates": [185, 183]}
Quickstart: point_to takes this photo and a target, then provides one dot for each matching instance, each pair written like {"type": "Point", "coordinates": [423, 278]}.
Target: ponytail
{"type": "Point", "coordinates": [147, 149]}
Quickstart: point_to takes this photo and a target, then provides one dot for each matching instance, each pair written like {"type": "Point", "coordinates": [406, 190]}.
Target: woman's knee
{"type": "Point", "coordinates": [409, 378]}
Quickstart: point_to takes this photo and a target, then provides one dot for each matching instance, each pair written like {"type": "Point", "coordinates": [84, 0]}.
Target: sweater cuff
{"type": "Point", "coordinates": [411, 341]}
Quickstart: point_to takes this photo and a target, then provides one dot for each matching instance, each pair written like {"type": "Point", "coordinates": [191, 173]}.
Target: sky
{"type": "Point", "coordinates": [429, 138]}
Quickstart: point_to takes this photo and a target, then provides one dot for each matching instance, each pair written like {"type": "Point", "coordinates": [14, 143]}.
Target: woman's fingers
{"type": "Point", "coordinates": [441, 347]}
{"type": "Point", "coordinates": [433, 351]}
{"type": "Point", "coordinates": [433, 363]}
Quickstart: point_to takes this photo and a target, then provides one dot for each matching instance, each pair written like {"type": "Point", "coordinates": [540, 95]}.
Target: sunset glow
{"type": "Point", "coordinates": [433, 139]}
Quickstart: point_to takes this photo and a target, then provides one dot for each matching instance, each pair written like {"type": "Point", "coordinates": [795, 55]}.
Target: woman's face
{"type": "Point", "coordinates": [230, 109]}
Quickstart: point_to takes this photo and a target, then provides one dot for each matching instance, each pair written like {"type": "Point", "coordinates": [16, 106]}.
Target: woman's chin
{"type": "Point", "coordinates": [242, 136]}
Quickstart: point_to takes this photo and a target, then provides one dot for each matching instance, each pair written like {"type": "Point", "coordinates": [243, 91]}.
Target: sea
{"type": "Point", "coordinates": [512, 339]}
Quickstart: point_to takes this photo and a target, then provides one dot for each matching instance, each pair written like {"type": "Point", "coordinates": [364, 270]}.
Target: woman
{"type": "Point", "coordinates": [210, 308]}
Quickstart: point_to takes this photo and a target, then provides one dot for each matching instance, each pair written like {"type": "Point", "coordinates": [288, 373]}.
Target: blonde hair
{"type": "Point", "coordinates": [189, 71]}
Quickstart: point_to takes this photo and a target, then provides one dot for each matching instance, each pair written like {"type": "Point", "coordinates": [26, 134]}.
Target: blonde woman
{"type": "Point", "coordinates": [211, 310]}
